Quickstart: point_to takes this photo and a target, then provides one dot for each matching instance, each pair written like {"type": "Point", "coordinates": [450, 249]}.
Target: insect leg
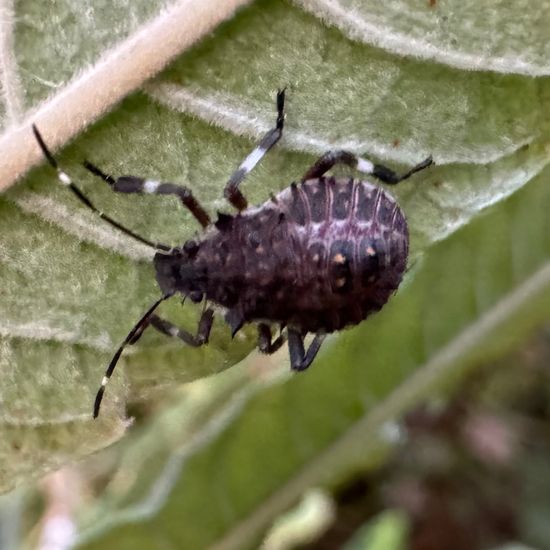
{"type": "Point", "coordinates": [299, 358]}
{"type": "Point", "coordinates": [132, 338]}
{"type": "Point", "coordinates": [231, 191]}
{"type": "Point", "coordinates": [66, 180]}
{"type": "Point", "coordinates": [326, 161]}
{"type": "Point", "coordinates": [134, 184]}
{"type": "Point", "coordinates": [265, 344]}
{"type": "Point", "coordinates": [195, 340]}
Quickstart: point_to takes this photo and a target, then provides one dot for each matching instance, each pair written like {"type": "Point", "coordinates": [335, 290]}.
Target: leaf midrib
{"type": "Point", "coordinates": [121, 70]}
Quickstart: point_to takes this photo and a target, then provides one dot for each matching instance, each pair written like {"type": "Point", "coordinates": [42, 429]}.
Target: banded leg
{"type": "Point", "coordinates": [231, 191]}
{"type": "Point", "coordinates": [194, 340]}
{"type": "Point", "coordinates": [299, 358]}
{"type": "Point", "coordinates": [383, 173]}
{"type": "Point", "coordinates": [132, 338]}
{"type": "Point", "coordinates": [265, 344]}
{"type": "Point", "coordinates": [66, 180]}
{"type": "Point", "coordinates": [134, 184]}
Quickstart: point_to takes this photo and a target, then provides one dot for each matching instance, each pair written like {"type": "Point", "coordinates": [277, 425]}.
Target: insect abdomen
{"type": "Point", "coordinates": [353, 249]}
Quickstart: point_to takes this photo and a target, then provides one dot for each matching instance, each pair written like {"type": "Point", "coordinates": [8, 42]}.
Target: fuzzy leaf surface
{"type": "Point", "coordinates": [72, 287]}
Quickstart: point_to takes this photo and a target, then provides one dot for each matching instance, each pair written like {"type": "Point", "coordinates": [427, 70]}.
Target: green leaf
{"type": "Point", "coordinates": [72, 287]}
{"type": "Point", "coordinates": [506, 37]}
{"type": "Point", "coordinates": [349, 95]}
{"type": "Point", "coordinates": [52, 44]}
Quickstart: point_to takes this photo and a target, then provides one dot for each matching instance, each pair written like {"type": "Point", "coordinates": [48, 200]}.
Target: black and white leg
{"type": "Point", "coordinates": [194, 340]}
{"type": "Point", "coordinates": [142, 186]}
{"type": "Point", "coordinates": [64, 178]}
{"type": "Point", "coordinates": [133, 336]}
{"type": "Point", "coordinates": [231, 191]}
{"type": "Point", "coordinates": [150, 319]}
{"type": "Point", "coordinates": [299, 358]}
{"type": "Point", "coordinates": [265, 343]}
{"type": "Point", "coordinates": [383, 173]}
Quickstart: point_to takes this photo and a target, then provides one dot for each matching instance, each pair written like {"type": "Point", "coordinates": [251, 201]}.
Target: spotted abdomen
{"type": "Point", "coordinates": [353, 245]}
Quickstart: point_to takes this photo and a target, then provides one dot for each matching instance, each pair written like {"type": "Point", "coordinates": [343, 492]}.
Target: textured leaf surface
{"type": "Point", "coordinates": [72, 287]}
{"type": "Point", "coordinates": [349, 95]}
{"type": "Point", "coordinates": [52, 49]}
{"type": "Point", "coordinates": [508, 37]}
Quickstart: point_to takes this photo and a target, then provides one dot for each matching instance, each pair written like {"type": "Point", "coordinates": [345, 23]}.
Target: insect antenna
{"type": "Point", "coordinates": [66, 180]}
{"type": "Point", "coordinates": [132, 338]}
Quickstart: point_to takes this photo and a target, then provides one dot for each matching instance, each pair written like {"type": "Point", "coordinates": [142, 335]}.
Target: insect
{"type": "Point", "coordinates": [320, 255]}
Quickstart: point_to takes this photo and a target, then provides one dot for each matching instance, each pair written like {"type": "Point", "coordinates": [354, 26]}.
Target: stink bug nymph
{"type": "Point", "coordinates": [320, 255]}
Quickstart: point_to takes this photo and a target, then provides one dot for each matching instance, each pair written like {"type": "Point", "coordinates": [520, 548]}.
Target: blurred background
{"type": "Point", "coordinates": [425, 427]}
